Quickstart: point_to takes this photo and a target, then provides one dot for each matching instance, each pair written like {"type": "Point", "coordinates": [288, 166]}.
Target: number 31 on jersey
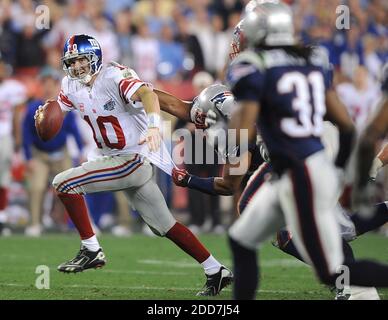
{"type": "Point", "coordinates": [310, 109]}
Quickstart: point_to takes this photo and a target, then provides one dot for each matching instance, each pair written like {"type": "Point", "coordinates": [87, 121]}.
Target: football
{"type": "Point", "coordinates": [49, 121]}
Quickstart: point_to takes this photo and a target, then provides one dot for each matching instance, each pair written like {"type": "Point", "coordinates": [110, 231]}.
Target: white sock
{"type": "Point", "coordinates": [91, 243]}
{"type": "Point", "coordinates": [211, 265]}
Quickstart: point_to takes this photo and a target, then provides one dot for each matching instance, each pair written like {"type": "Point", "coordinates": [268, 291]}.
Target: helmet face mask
{"type": "Point", "coordinates": [238, 41]}
{"type": "Point", "coordinates": [80, 48]}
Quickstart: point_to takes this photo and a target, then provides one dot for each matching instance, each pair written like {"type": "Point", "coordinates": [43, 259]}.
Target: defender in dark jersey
{"type": "Point", "coordinates": [259, 171]}
{"type": "Point", "coordinates": [284, 87]}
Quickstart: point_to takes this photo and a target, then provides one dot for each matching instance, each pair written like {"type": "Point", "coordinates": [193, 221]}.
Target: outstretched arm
{"type": "Point", "coordinates": [226, 185]}
{"type": "Point", "coordinates": [181, 109]}
{"type": "Point", "coordinates": [173, 105]}
{"type": "Point", "coordinates": [151, 106]}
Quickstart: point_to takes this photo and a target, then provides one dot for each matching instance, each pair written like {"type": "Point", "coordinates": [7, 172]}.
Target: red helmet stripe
{"type": "Point", "coordinates": [71, 42]}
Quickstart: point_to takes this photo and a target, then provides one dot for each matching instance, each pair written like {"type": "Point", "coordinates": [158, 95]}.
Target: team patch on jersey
{"type": "Point", "coordinates": [110, 105]}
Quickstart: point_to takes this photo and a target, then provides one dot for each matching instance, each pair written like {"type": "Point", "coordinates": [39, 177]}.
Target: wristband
{"type": "Point", "coordinates": [153, 120]}
{"type": "Point", "coordinates": [202, 184]}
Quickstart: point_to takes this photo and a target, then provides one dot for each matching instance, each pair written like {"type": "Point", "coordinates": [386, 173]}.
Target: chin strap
{"type": "Point", "coordinates": [86, 79]}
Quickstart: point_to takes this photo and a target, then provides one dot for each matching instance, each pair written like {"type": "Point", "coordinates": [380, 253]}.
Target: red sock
{"type": "Point", "coordinates": [3, 198]}
{"type": "Point", "coordinates": [76, 209]}
{"type": "Point", "coordinates": [188, 242]}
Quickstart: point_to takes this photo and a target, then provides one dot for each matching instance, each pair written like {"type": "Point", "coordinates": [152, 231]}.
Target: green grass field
{"type": "Point", "coordinates": [150, 268]}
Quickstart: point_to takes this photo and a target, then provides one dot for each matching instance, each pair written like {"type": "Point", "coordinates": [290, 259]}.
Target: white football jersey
{"type": "Point", "coordinates": [117, 122]}
{"type": "Point", "coordinates": [12, 93]}
{"type": "Point", "coordinates": [360, 104]}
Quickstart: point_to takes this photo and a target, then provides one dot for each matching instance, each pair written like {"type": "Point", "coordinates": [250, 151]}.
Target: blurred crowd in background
{"type": "Point", "coordinates": [180, 46]}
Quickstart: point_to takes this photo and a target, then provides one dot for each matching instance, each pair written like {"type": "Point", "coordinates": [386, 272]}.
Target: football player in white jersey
{"type": "Point", "coordinates": [12, 97]}
{"type": "Point", "coordinates": [123, 113]}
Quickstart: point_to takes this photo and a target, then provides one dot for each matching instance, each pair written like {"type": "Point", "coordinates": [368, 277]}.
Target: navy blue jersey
{"type": "Point", "coordinates": [291, 93]}
{"type": "Point", "coordinates": [256, 158]}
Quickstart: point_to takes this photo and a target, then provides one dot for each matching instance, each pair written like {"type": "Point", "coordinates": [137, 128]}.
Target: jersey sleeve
{"type": "Point", "coordinates": [126, 81]}
{"type": "Point", "coordinates": [63, 98]}
{"type": "Point", "coordinates": [246, 82]}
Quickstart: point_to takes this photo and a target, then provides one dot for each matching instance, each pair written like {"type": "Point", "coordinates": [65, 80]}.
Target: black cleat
{"type": "Point", "coordinates": [216, 282]}
{"type": "Point", "coordinates": [342, 294]}
{"type": "Point", "coordinates": [85, 259]}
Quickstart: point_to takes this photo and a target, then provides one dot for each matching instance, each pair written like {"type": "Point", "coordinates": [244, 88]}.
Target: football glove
{"type": "Point", "coordinates": [180, 177]}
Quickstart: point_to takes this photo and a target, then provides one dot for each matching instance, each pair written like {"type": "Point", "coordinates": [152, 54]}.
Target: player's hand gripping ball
{"type": "Point", "coordinates": [48, 120]}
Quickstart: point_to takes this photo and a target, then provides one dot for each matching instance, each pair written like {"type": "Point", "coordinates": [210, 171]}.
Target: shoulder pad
{"type": "Point", "coordinates": [320, 57]}
{"type": "Point", "coordinates": [125, 71]}
{"type": "Point", "coordinates": [249, 57]}
{"type": "Point", "coordinates": [246, 63]}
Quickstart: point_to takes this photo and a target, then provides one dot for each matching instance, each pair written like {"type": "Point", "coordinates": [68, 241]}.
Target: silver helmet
{"type": "Point", "coordinates": [217, 98]}
{"type": "Point", "coordinates": [253, 4]}
{"type": "Point", "coordinates": [271, 24]}
{"type": "Point", "coordinates": [238, 41]}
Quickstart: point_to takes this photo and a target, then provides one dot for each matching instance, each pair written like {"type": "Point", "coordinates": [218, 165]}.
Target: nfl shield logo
{"type": "Point", "coordinates": [110, 105]}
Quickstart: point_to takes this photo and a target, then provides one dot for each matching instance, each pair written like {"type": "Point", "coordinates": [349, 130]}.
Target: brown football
{"type": "Point", "coordinates": [50, 120]}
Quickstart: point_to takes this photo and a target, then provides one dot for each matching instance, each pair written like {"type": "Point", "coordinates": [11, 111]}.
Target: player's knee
{"type": "Point", "coordinates": [157, 232]}
{"type": "Point", "coordinates": [58, 182]}
{"type": "Point", "coordinates": [58, 179]}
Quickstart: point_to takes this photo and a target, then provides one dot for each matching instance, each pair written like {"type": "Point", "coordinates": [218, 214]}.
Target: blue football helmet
{"type": "Point", "coordinates": [82, 45]}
